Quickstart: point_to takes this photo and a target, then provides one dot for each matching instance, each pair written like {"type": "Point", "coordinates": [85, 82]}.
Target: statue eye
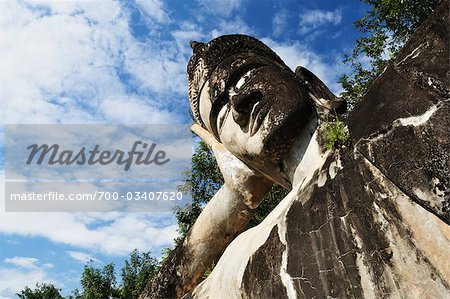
{"type": "Point", "coordinates": [236, 79]}
{"type": "Point", "coordinates": [222, 116]}
{"type": "Point", "coordinates": [219, 103]}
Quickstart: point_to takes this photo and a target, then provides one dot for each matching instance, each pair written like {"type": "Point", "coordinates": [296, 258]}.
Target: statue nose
{"type": "Point", "coordinates": [242, 105]}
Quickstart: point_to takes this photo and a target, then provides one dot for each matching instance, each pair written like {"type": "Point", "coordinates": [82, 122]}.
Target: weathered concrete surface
{"type": "Point", "coordinates": [356, 236]}
{"type": "Point", "coordinates": [371, 223]}
{"type": "Point", "coordinates": [403, 124]}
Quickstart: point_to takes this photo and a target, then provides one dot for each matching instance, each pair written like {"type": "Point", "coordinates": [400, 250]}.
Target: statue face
{"type": "Point", "coordinates": [255, 107]}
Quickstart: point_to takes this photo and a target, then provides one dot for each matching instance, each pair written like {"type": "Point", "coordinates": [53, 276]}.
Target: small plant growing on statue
{"type": "Point", "coordinates": [334, 134]}
{"type": "Point", "coordinates": [209, 270]}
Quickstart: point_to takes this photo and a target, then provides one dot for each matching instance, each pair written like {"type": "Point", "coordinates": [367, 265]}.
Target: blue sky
{"type": "Point", "coordinates": [124, 62]}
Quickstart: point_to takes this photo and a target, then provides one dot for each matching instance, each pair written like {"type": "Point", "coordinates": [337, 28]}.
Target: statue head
{"type": "Point", "coordinates": [246, 96]}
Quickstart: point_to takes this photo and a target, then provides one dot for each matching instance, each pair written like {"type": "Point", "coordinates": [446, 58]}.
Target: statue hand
{"type": "Point", "coordinates": [237, 175]}
{"type": "Point", "coordinates": [228, 163]}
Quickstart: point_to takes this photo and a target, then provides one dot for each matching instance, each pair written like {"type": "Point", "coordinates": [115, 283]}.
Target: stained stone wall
{"type": "Point", "coordinates": [402, 125]}
{"type": "Point", "coordinates": [374, 220]}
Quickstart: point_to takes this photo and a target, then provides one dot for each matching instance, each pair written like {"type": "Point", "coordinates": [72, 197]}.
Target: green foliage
{"type": "Point", "coordinates": [386, 26]}
{"type": "Point", "coordinates": [209, 270]}
{"type": "Point", "coordinates": [98, 283]}
{"type": "Point", "coordinates": [203, 181]}
{"type": "Point", "coordinates": [334, 134]}
{"type": "Point", "coordinates": [138, 270]}
{"type": "Point", "coordinates": [42, 291]}
{"type": "Point", "coordinates": [165, 252]}
{"type": "Point", "coordinates": [75, 295]}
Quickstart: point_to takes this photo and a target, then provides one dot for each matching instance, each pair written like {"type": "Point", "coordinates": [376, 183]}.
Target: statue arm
{"type": "Point", "coordinates": [223, 218]}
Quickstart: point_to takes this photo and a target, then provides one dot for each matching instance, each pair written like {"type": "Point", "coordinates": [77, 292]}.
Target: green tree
{"type": "Point", "coordinates": [75, 295]}
{"type": "Point", "coordinates": [98, 283]}
{"type": "Point", "coordinates": [385, 28]}
{"type": "Point", "coordinates": [138, 270]}
{"type": "Point", "coordinates": [42, 291]}
{"type": "Point", "coordinates": [203, 181]}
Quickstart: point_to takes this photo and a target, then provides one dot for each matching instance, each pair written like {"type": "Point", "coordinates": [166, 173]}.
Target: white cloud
{"type": "Point", "coordinates": [108, 233]}
{"type": "Point", "coordinates": [48, 265]}
{"type": "Point", "coordinates": [27, 271]}
{"type": "Point", "coordinates": [188, 31]}
{"type": "Point", "coordinates": [155, 9]}
{"type": "Point", "coordinates": [133, 110]}
{"type": "Point", "coordinates": [162, 72]}
{"type": "Point", "coordinates": [311, 20]}
{"type": "Point", "coordinates": [23, 262]}
{"type": "Point", "coordinates": [295, 54]}
{"type": "Point", "coordinates": [221, 7]}
{"type": "Point", "coordinates": [81, 256]}
{"type": "Point", "coordinates": [61, 61]}
{"type": "Point", "coordinates": [234, 26]}
{"type": "Point", "coordinates": [119, 237]}
{"type": "Point", "coordinates": [14, 280]}
{"type": "Point", "coordinates": [279, 23]}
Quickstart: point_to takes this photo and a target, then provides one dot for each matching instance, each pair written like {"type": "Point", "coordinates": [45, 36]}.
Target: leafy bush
{"type": "Point", "coordinates": [335, 134]}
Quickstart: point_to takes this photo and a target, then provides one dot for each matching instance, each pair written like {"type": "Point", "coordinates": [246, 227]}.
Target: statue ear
{"type": "Point", "coordinates": [324, 100]}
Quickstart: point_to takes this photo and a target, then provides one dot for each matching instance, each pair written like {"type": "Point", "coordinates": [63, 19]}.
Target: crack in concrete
{"type": "Point", "coordinates": [414, 53]}
{"type": "Point", "coordinates": [388, 131]}
{"type": "Point", "coordinates": [416, 120]}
